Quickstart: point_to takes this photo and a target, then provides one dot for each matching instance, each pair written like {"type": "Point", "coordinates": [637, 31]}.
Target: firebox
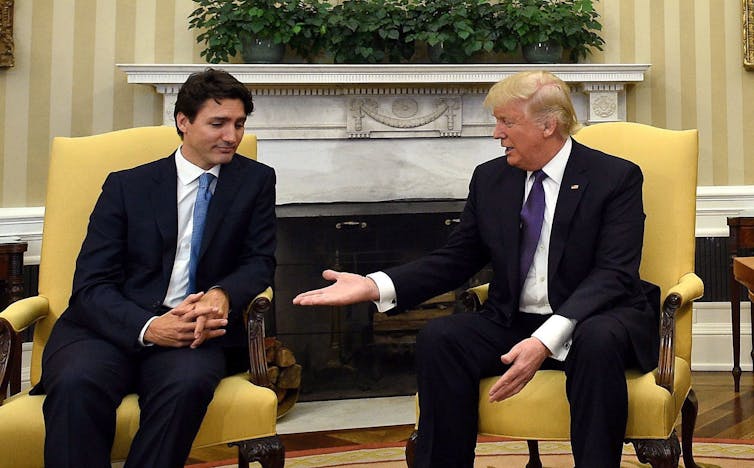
{"type": "Point", "coordinates": [353, 351]}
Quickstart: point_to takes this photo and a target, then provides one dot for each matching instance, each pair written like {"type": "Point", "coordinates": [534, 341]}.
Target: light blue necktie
{"type": "Point", "coordinates": [203, 196]}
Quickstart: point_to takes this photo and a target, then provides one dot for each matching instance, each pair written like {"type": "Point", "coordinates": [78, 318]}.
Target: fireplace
{"type": "Point", "coordinates": [353, 351]}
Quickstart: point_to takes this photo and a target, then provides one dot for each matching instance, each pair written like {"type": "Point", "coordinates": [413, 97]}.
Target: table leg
{"type": "Point", "coordinates": [735, 318]}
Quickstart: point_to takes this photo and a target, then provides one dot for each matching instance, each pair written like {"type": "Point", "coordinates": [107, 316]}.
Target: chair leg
{"type": "Point", "coordinates": [411, 449]}
{"type": "Point", "coordinates": [659, 453]}
{"type": "Point", "coordinates": [534, 461]}
{"type": "Point", "coordinates": [268, 451]}
{"type": "Point", "coordinates": [242, 462]}
{"type": "Point", "coordinates": [689, 412]}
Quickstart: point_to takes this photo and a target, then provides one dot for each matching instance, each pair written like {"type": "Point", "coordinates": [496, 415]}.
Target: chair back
{"type": "Point", "coordinates": [668, 160]}
{"type": "Point", "coordinates": [78, 168]}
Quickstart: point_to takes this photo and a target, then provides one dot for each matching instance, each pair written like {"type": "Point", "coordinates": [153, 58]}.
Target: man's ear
{"type": "Point", "coordinates": [550, 127]}
{"type": "Point", "coordinates": [182, 121]}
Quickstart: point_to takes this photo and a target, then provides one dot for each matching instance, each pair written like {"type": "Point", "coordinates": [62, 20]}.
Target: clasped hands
{"type": "Point", "coordinates": [200, 317]}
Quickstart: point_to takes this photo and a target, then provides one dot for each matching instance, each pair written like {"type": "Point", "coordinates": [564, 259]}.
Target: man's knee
{"type": "Point", "coordinates": [600, 336]}
{"type": "Point", "coordinates": [436, 336]}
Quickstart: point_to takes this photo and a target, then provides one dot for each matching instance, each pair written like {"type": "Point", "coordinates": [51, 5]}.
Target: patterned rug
{"type": "Point", "coordinates": [498, 454]}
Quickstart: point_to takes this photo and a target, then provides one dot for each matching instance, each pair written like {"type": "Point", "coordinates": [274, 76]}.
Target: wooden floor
{"type": "Point", "coordinates": [722, 414]}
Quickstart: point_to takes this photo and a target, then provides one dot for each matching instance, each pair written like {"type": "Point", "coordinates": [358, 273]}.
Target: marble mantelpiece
{"type": "Point", "coordinates": [384, 132]}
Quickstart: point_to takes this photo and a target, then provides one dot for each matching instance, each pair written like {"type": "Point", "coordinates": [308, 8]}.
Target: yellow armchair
{"type": "Point", "coordinates": [243, 412]}
{"type": "Point", "coordinates": [668, 160]}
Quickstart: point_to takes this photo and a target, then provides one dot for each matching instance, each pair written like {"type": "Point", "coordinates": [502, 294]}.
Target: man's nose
{"type": "Point", "coordinates": [498, 132]}
{"type": "Point", "coordinates": [229, 134]}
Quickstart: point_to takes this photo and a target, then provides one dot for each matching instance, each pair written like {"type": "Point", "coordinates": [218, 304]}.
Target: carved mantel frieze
{"type": "Point", "coordinates": [302, 101]}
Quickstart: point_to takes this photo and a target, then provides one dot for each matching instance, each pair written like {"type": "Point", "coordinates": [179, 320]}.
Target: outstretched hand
{"type": "Point", "coordinates": [349, 288]}
{"type": "Point", "coordinates": [525, 358]}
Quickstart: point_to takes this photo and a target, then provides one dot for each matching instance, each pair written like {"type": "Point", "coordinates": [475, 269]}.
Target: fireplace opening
{"type": "Point", "coordinates": [354, 351]}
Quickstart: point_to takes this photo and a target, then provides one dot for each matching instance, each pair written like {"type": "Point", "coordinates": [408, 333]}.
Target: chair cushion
{"type": "Point", "coordinates": [239, 409]}
{"type": "Point", "coordinates": [540, 411]}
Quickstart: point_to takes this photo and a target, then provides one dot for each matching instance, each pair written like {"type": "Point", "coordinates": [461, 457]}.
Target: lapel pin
{"type": "Point", "coordinates": [574, 187]}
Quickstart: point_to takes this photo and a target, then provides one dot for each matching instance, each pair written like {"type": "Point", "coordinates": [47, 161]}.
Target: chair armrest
{"type": "Point", "coordinates": [473, 298]}
{"type": "Point", "coordinates": [688, 289]}
{"type": "Point", "coordinates": [254, 318]}
{"type": "Point", "coordinates": [22, 314]}
{"type": "Point", "coordinates": [15, 318]}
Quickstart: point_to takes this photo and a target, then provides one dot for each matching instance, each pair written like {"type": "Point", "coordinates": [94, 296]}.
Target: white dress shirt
{"type": "Point", "coordinates": [556, 332]}
{"type": "Point", "coordinates": [187, 186]}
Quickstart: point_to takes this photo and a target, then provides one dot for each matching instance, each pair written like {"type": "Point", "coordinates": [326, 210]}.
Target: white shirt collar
{"type": "Point", "coordinates": [188, 172]}
{"type": "Point", "coordinates": [556, 166]}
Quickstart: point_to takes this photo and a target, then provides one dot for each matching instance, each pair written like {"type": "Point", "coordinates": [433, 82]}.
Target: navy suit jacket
{"type": "Point", "coordinates": [594, 255]}
{"type": "Point", "coordinates": [123, 269]}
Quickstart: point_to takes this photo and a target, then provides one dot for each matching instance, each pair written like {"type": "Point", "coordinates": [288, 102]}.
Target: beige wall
{"type": "Point", "coordinates": [65, 82]}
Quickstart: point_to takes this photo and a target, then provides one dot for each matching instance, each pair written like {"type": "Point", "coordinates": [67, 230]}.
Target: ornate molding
{"type": "Point", "coordinates": [303, 101]}
{"type": "Point", "coordinates": [6, 33]}
{"type": "Point", "coordinates": [406, 114]}
{"type": "Point", "coordinates": [390, 74]}
{"type": "Point", "coordinates": [748, 33]}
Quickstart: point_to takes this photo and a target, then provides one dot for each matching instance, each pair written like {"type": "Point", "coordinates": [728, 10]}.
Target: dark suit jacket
{"type": "Point", "coordinates": [124, 266]}
{"type": "Point", "coordinates": [594, 256]}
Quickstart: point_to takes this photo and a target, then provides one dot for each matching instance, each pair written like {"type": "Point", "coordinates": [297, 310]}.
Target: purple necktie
{"type": "Point", "coordinates": [532, 215]}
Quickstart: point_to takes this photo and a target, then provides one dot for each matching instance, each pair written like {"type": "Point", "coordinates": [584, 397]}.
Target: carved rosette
{"type": "Point", "coordinates": [605, 101]}
{"type": "Point", "coordinates": [412, 116]}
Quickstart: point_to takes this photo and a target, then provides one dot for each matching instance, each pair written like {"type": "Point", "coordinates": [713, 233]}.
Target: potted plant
{"type": "Point", "coordinates": [369, 31]}
{"type": "Point", "coordinates": [232, 26]}
{"type": "Point", "coordinates": [555, 24]}
{"type": "Point", "coordinates": [455, 30]}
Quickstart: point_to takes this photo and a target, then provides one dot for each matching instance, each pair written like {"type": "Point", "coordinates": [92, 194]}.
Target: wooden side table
{"type": "Point", "coordinates": [11, 290]}
{"type": "Point", "coordinates": [740, 243]}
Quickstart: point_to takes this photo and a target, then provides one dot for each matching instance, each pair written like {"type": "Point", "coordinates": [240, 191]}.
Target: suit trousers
{"type": "Point", "coordinates": [85, 381]}
{"type": "Point", "coordinates": [455, 352]}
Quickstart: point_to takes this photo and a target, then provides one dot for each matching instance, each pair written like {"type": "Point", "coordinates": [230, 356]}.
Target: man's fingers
{"type": "Point", "coordinates": [207, 335]}
{"type": "Point", "coordinates": [199, 328]}
{"type": "Point", "coordinates": [200, 311]}
{"type": "Point", "coordinates": [330, 275]}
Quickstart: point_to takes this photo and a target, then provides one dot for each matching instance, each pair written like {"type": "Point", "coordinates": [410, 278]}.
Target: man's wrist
{"type": "Point", "coordinates": [142, 336]}
{"type": "Point", "coordinates": [386, 291]}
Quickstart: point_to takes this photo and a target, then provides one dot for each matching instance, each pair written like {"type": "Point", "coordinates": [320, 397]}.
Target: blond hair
{"type": "Point", "coordinates": [545, 96]}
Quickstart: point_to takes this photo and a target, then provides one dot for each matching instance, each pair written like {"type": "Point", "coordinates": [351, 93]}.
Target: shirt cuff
{"type": "Point", "coordinates": [144, 330]}
{"type": "Point", "coordinates": [556, 334]}
{"type": "Point", "coordinates": [386, 288]}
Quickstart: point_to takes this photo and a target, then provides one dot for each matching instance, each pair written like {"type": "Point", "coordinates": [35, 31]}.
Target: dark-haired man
{"type": "Point", "coordinates": [174, 250]}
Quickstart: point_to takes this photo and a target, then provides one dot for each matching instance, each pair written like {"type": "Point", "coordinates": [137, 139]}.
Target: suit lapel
{"type": "Point", "coordinates": [163, 198]}
{"type": "Point", "coordinates": [511, 195]}
{"type": "Point", "coordinates": [228, 184]}
{"type": "Point", "coordinates": [572, 187]}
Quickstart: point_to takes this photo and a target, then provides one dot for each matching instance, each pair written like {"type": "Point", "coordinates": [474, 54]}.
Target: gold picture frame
{"type": "Point", "coordinates": [6, 33]}
{"type": "Point", "coordinates": [748, 24]}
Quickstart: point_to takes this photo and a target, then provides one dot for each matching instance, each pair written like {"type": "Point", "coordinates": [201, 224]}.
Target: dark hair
{"type": "Point", "coordinates": [209, 84]}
